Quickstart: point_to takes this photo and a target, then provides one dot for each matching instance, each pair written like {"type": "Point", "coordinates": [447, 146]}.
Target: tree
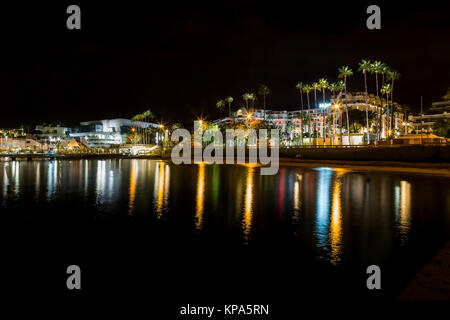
{"type": "Point", "coordinates": [323, 83]}
{"type": "Point", "coordinates": [220, 104]}
{"type": "Point", "coordinates": [364, 67]}
{"type": "Point", "coordinates": [252, 98]}
{"type": "Point", "coordinates": [308, 89]}
{"type": "Point", "coordinates": [316, 86]}
{"type": "Point", "coordinates": [148, 116]}
{"type": "Point", "coordinates": [229, 100]}
{"type": "Point", "coordinates": [345, 72]}
{"type": "Point", "coordinates": [300, 86]}
{"type": "Point", "coordinates": [264, 91]}
{"type": "Point", "coordinates": [303, 118]}
{"type": "Point", "coordinates": [386, 90]}
{"type": "Point", "coordinates": [137, 119]}
{"type": "Point", "coordinates": [384, 70]}
{"type": "Point", "coordinates": [358, 119]}
{"type": "Point", "coordinates": [376, 68]}
{"type": "Point", "coordinates": [392, 75]}
{"type": "Point", "coordinates": [446, 96]}
{"type": "Point", "coordinates": [246, 97]}
{"type": "Point", "coordinates": [442, 128]}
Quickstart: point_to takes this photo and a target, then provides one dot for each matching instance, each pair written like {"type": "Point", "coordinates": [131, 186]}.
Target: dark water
{"type": "Point", "coordinates": [311, 228]}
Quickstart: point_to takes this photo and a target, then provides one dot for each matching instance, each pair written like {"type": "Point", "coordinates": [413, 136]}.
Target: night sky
{"type": "Point", "coordinates": [179, 59]}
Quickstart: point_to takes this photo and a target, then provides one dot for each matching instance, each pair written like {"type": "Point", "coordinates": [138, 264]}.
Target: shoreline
{"type": "Point", "coordinates": [376, 165]}
{"type": "Point", "coordinates": [436, 168]}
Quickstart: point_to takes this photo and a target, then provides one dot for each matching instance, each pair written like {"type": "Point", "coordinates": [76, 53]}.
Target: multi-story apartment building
{"type": "Point", "coordinates": [336, 108]}
{"type": "Point", "coordinates": [424, 122]}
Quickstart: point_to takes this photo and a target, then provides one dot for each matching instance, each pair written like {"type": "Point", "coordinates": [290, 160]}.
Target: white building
{"type": "Point", "coordinates": [52, 133]}
{"type": "Point", "coordinates": [104, 133]}
{"type": "Point", "coordinates": [336, 108]}
{"type": "Point", "coordinates": [424, 122]}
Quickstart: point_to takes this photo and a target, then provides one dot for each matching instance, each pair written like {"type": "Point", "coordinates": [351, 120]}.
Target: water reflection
{"type": "Point", "coordinates": [52, 179]}
{"type": "Point", "coordinates": [248, 212]}
{"type": "Point", "coordinates": [323, 206]}
{"type": "Point", "coordinates": [200, 197]}
{"type": "Point", "coordinates": [161, 190]}
{"type": "Point", "coordinates": [402, 200]}
{"type": "Point", "coordinates": [298, 186]}
{"type": "Point", "coordinates": [100, 181]}
{"type": "Point", "coordinates": [132, 189]}
{"type": "Point", "coordinates": [336, 219]}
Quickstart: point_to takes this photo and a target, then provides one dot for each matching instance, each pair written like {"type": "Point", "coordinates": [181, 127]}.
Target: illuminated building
{"type": "Point", "coordinates": [105, 133]}
{"type": "Point", "coordinates": [424, 122]}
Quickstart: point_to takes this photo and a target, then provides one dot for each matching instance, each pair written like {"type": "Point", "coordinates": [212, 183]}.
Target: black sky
{"type": "Point", "coordinates": [179, 59]}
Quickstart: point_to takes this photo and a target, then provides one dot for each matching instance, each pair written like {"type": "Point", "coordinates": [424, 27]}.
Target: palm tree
{"type": "Point", "coordinates": [300, 87]}
{"type": "Point", "coordinates": [364, 67]}
{"type": "Point", "coordinates": [307, 88]}
{"type": "Point", "coordinates": [386, 90]}
{"type": "Point", "coordinates": [137, 118]}
{"type": "Point", "coordinates": [246, 97]}
{"type": "Point", "coordinates": [446, 96]}
{"type": "Point", "coordinates": [376, 68]}
{"type": "Point", "coordinates": [333, 87]}
{"type": "Point", "coordinates": [148, 115]}
{"type": "Point", "coordinates": [229, 100]}
{"type": "Point", "coordinates": [345, 72]}
{"type": "Point", "coordinates": [384, 70]}
{"type": "Point", "coordinates": [264, 91]}
{"type": "Point", "coordinates": [316, 86]}
{"type": "Point", "coordinates": [392, 75]}
{"type": "Point", "coordinates": [220, 104]}
{"type": "Point", "coordinates": [323, 83]}
{"type": "Point", "coordinates": [252, 98]}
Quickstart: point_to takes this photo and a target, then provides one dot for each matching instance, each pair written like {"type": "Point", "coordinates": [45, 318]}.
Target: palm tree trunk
{"type": "Point", "coordinates": [302, 117]}
{"type": "Point", "coordinates": [301, 97]}
{"type": "Point", "coordinates": [264, 97]}
{"type": "Point", "coordinates": [346, 111]}
{"type": "Point", "coordinates": [348, 126]}
{"type": "Point", "coordinates": [378, 111]}
{"type": "Point", "coordinates": [367, 109]}
{"type": "Point", "coordinates": [309, 120]}
{"type": "Point", "coordinates": [392, 105]}
{"type": "Point", "coordinates": [323, 119]}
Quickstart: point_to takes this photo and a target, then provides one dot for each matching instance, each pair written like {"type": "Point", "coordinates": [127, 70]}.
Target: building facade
{"type": "Point", "coordinates": [424, 122]}
{"type": "Point", "coordinates": [105, 133]}
{"type": "Point", "coordinates": [52, 133]}
{"type": "Point", "coordinates": [327, 120]}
